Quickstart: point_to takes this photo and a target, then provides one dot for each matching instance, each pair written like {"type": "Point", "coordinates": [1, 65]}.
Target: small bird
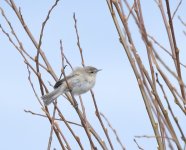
{"type": "Point", "coordinates": [79, 81]}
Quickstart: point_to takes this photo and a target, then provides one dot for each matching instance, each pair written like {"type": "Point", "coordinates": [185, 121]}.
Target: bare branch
{"type": "Point", "coordinates": [37, 114]}
{"type": "Point", "coordinates": [178, 6]}
{"type": "Point", "coordinates": [29, 78]}
{"type": "Point", "coordinates": [114, 131]}
{"type": "Point", "coordinates": [182, 21]}
{"type": "Point", "coordinates": [139, 147]}
{"type": "Point", "coordinates": [78, 40]}
{"type": "Point", "coordinates": [39, 46]}
{"type": "Point", "coordinates": [51, 130]}
{"type": "Point", "coordinates": [176, 51]}
{"type": "Point", "coordinates": [171, 111]}
{"type": "Point", "coordinates": [148, 136]}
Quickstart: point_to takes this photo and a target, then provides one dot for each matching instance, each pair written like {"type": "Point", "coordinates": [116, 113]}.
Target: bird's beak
{"type": "Point", "coordinates": [98, 70]}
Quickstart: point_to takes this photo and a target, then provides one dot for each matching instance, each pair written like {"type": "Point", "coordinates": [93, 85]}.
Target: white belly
{"type": "Point", "coordinates": [82, 87]}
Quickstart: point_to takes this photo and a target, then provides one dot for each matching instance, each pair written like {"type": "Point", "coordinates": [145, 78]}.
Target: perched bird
{"type": "Point", "coordinates": [79, 81]}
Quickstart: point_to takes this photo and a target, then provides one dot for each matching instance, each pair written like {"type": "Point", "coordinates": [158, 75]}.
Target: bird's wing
{"type": "Point", "coordinates": [58, 83]}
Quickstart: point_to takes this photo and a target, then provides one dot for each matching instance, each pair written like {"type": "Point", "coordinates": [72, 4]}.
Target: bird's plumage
{"type": "Point", "coordinates": [79, 81]}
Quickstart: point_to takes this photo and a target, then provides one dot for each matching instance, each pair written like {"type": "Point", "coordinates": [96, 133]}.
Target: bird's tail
{"type": "Point", "coordinates": [50, 97]}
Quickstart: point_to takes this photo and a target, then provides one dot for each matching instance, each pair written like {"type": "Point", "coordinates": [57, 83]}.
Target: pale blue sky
{"type": "Point", "coordinates": [116, 89]}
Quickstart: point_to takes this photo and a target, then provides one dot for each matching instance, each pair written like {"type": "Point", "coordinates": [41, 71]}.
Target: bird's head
{"type": "Point", "coordinates": [92, 71]}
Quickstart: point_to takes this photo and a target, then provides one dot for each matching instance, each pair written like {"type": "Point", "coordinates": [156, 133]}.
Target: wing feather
{"type": "Point", "coordinates": [60, 82]}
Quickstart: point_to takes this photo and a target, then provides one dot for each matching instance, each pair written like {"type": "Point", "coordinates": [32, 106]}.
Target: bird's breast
{"type": "Point", "coordinates": [82, 86]}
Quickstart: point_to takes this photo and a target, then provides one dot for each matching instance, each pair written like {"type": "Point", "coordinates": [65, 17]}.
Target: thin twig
{"type": "Point", "coordinates": [163, 48]}
{"type": "Point", "coordinates": [184, 32]}
{"type": "Point", "coordinates": [39, 46]}
{"type": "Point", "coordinates": [78, 41]}
{"type": "Point", "coordinates": [43, 25]}
{"type": "Point", "coordinates": [67, 61]}
{"type": "Point", "coordinates": [51, 130]}
{"type": "Point", "coordinates": [56, 130]}
{"type": "Point", "coordinates": [37, 114]}
{"type": "Point", "coordinates": [114, 131]}
{"type": "Point", "coordinates": [148, 136]}
{"type": "Point", "coordinates": [62, 135]}
{"type": "Point", "coordinates": [182, 21]}
{"type": "Point", "coordinates": [54, 111]}
{"type": "Point", "coordinates": [170, 109]}
{"type": "Point", "coordinates": [176, 51]}
{"type": "Point", "coordinates": [130, 11]}
{"type": "Point", "coordinates": [8, 2]}
{"type": "Point", "coordinates": [70, 129]}
{"type": "Point", "coordinates": [29, 78]}
{"type": "Point", "coordinates": [100, 120]}
{"type": "Point", "coordinates": [174, 13]}
{"type": "Point", "coordinates": [139, 147]}
{"type": "Point", "coordinates": [62, 69]}
{"type": "Point", "coordinates": [161, 7]}
{"type": "Point", "coordinates": [83, 108]}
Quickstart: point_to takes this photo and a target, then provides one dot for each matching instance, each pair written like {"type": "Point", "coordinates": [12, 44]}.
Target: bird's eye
{"type": "Point", "coordinates": [92, 72]}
